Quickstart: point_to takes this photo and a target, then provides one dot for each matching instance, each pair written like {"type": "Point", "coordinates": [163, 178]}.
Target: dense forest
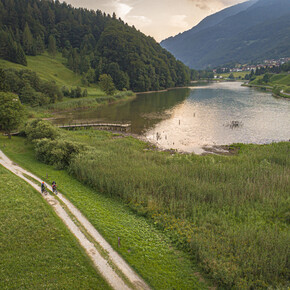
{"type": "Point", "coordinates": [94, 43]}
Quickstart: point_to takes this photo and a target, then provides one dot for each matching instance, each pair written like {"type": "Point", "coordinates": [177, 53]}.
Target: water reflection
{"type": "Point", "coordinates": [143, 112]}
{"type": "Point", "coordinates": [188, 119]}
{"type": "Point", "coordinates": [206, 119]}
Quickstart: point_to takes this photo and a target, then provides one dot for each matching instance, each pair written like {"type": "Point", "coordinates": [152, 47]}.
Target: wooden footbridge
{"type": "Point", "coordinates": [98, 126]}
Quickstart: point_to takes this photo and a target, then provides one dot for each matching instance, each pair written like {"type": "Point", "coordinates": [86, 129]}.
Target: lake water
{"type": "Point", "coordinates": [207, 115]}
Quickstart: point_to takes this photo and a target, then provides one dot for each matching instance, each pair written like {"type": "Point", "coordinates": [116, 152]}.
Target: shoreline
{"type": "Point", "coordinates": [268, 89]}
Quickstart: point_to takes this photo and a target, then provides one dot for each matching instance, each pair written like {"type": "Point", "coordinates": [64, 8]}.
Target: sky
{"type": "Point", "coordinates": [158, 18]}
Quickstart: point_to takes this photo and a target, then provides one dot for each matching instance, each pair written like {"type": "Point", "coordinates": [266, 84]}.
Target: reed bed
{"type": "Point", "coordinates": [232, 213]}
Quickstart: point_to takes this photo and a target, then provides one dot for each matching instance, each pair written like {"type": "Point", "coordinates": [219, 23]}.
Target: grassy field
{"type": "Point", "coordinates": [36, 249]}
{"type": "Point", "coordinates": [236, 74]}
{"type": "Point", "coordinates": [48, 68]}
{"type": "Point", "coordinates": [280, 84]}
{"type": "Point", "coordinates": [231, 213]}
{"type": "Point", "coordinates": [54, 69]}
{"type": "Point", "coordinates": [147, 249]}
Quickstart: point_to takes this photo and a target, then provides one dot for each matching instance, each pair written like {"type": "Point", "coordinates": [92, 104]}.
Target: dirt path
{"type": "Point", "coordinates": [88, 237]}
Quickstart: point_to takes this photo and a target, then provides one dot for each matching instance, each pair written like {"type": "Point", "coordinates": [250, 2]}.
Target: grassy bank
{"type": "Point", "coordinates": [36, 249]}
{"type": "Point", "coordinates": [54, 69]}
{"type": "Point", "coordinates": [48, 68]}
{"type": "Point", "coordinates": [88, 102]}
{"type": "Point", "coordinates": [146, 248]}
{"type": "Point", "coordinates": [279, 84]}
{"type": "Point", "coordinates": [237, 75]}
{"type": "Point", "coordinates": [230, 213]}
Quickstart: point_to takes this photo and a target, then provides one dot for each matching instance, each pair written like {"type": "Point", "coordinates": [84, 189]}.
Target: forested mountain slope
{"type": "Point", "coordinates": [260, 30]}
{"type": "Point", "coordinates": [93, 43]}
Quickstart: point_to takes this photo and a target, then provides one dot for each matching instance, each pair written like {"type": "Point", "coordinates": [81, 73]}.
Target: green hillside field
{"type": "Point", "coordinates": [146, 248]}
{"type": "Point", "coordinates": [50, 68]}
{"type": "Point", "coordinates": [278, 83]}
{"type": "Point", "coordinates": [37, 251]}
{"type": "Point", "coordinates": [231, 213]}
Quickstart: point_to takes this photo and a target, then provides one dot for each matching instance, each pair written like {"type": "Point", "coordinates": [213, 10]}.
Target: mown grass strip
{"type": "Point", "coordinates": [36, 249]}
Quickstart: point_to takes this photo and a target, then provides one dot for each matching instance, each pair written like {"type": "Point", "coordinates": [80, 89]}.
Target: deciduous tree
{"type": "Point", "coordinates": [106, 84]}
{"type": "Point", "coordinates": [11, 112]}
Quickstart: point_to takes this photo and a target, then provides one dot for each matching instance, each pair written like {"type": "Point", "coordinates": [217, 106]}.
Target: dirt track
{"type": "Point", "coordinates": [85, 233]}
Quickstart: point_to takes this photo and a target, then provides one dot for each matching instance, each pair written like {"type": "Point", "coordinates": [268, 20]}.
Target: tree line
{"type": "Point", "coordinates": [94, 43]}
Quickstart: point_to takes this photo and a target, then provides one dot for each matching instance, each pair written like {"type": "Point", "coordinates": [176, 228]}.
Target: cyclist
{"type": "Point", "coordinates": [43, 190]}
{"type": "Point", "coordinates": [53, 185]}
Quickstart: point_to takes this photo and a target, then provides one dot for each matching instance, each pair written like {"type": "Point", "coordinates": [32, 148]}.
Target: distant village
{"type": "Point", "coordinates": [268, 63]}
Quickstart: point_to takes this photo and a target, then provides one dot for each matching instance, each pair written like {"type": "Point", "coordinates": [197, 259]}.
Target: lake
{"type": "Point", "coordinates": [204, 115]}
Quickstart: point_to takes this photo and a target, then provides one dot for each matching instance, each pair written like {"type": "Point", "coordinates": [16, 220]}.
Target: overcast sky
{"type": "Point", "coordinates": [158, 18]}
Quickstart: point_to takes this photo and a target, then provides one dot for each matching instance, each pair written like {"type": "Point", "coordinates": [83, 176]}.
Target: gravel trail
{"type": "Point", "coordinates": [67, 211]}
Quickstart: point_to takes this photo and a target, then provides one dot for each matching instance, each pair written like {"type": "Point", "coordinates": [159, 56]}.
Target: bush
{"type": "Point", "coordinates": [39, 129]}
{"type": "Point", "coordinates": [124, 94]}
{"type": "Point", "coordinates": [56, 152]}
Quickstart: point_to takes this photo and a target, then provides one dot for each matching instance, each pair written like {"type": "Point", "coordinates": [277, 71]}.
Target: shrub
{"type": "Point", "coordinates": [56, 152]}
{"type": "Point", "coordinates": [39, 129]}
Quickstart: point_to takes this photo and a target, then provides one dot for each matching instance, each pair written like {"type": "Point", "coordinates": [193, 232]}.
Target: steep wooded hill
{"type": "Point", "coordinates": [93, 43]}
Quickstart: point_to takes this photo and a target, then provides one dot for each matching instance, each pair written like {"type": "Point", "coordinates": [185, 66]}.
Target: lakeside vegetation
{"type": "Point", "coordinates": [276, 79]}
{"type": "Point", "coordinates": [278, 83]}
{"type": "Point", "coordinates": [37, 250]}
{"type": "Point", "coordinates": [230, 213]}
{"type": "Point", "coordinates": [48, 87]}
{"type": "Point", "coordinates": [179, 216]}
{"type": "Point", "coordinates": [146, 248]}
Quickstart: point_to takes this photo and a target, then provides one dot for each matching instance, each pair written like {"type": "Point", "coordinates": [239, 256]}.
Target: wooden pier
{"type": "Point", "coordinates": [99, 126]}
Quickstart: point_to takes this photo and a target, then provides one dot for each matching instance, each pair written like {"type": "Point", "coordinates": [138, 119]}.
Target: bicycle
{"type": "Point", "coordinates": [54, 190]}
{"type": "Point", "coordinates": [44, 191]}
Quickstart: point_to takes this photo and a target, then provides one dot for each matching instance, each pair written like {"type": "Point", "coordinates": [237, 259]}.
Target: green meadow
{"type": "Point", "coordinates": [241, 74]}
{"type": "Point", "coordinates": [229, 213]}
{"type": "Point", "coordinates": [54, 69]}
{"type": "Point", "coordinates": [144, 246]}
{"type": "Point", "coordinates": [48, 68]}
{"type": "Point", "coordinates": [279, 83]}
{"type": "Point", "coordinates": [37, 251]}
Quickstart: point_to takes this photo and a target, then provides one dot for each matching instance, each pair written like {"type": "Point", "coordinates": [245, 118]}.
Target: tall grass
{"type": "Point", "coordinates": [231, 212]}
{"type": "Point", "coordinates": [88, 102]}
{"type": "Point", "coordinates": [148, 250]}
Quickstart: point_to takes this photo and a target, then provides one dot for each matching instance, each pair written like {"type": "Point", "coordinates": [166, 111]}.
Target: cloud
{"type": "Point", "coordinates": [161, 18]}
{"type": "Point", "coordinates": [202, 5]}
{"type": "Point", "coordinates": [141, 20]}
{"type": "Point", "coordinates": [122, 9]}
{"type": "Point", "coordinates": [178, 21]}
{"type": "Point", "coordinates": [207, 4]}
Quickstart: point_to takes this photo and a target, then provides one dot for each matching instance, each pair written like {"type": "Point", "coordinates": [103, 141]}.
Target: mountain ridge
{"type": "Point", "coordinates": [219, 44]}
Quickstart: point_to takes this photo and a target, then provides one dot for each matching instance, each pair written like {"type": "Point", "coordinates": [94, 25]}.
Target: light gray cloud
{"type": "Point", "coordinates": [160, 19]}
{"type": "Point", "coordinates": [121, 8]}
{"type": "Point", "coordinates": [203, 5]}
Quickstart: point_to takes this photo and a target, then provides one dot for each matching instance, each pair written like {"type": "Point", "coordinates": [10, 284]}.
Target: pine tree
{"type": "Point", "coordinates": [28, 41]}
{"type": "Point", "coordinates": [20, 56]}
{"type": "Point", "coordinates": [3, 84]}
{"type": "Point", "coordinates": [39, 45]}
{"type": "Point", "coordinates": [51, 45]}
